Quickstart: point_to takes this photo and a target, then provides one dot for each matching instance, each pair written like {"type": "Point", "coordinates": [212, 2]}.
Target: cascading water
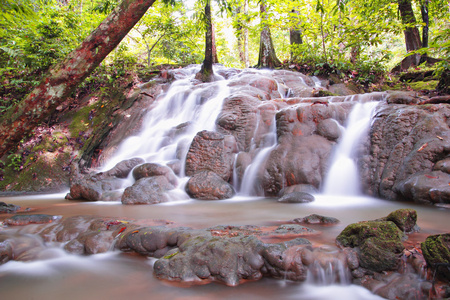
{"type": "Point", "coordinates": [184, 109]}
{"type": "Point", "coordinates": [250, 186]}
{"type": "Point", "coordinates": [342, 177]}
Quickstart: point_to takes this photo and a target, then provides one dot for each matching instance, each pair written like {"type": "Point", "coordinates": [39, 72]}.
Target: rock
{"type": "Point", "coordinates": [443, 165]}
{"type": "Point", "coordinates": [8, 208]}
{"type": "Point", "coordinates": [122, 169]}
{"type": "Point", "coordinates": [152, 169]}
{"type": "Point", "coordinates": [426, 187]}
{"type": "Point", "coordinates": [93, 188]}
{"type": "Point", "coordinates": [401, 97]}
{"type": "Point", "coordinates": [436, 251]}
{"type": "Point", "coordinates": [329, 129]}
{"type": "Point", "coordinates": [341, 89]}
{"type": "Point", "coordinates": [297, 197]}
{"type": "Point", "coordinates": [405, 219]}
{"type": "Point", "coordinates": [316, 219]}
{"type": "Point", "coordinates": [211, 151]}
{"type": "Point", "coordinates": [306, 188]}
{"type": "Point", "coordinates": [380, 244]}
{"type": "Point", "coordinates": [147, 190]}
{"type": "Point", "coordinates": [20, 220]}
{"type": "Point", "coordinates": [405, 144]}
{"type": "Point", "coordinates": [208, 185]}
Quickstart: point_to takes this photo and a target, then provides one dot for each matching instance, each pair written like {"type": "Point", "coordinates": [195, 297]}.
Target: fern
{"type": "Point", "coordinates": [11, 52]}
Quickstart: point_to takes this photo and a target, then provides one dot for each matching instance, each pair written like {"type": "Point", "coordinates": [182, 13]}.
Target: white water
{"type": "Point", "coordinates": [342, 177]}
{"type": "Point", "coordinates": [184, 104]}
{"type": "Point", "coordinates": [250, 185]}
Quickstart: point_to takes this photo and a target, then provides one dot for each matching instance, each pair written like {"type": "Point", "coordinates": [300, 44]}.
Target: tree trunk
{"type": "Point", "coordinates": [246, 56]}
{"type": "Point", "coordinates": [213, 43]}
{"type": "Point", "coordinates": [62, 79]}
{"type": "Point", "coordinates": [267, 57]}
{"type": "Point", "coordinates": [295, 35]}
{"type": "Point", "coordinates": [412, 35]}
{"type": "Point", "coordinates": [206, 73]}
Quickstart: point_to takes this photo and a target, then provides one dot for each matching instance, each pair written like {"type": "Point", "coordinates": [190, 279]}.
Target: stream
{"type": "Point", "coordinates": [116, 275]}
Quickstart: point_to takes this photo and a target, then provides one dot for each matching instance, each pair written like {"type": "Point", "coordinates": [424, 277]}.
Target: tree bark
{"type": "Point", "coordinates": [295, 35]}
{"type": "Point", "coordinates": [62, 79]}
{"type": "Point", "coordinates": [246, 56]}
{"type": "Point", "coordinates": [412, 36]}
{"type": "Point", "coordinates": [206, 73]}
{"type": "Point", "coordinates": [267, 57]}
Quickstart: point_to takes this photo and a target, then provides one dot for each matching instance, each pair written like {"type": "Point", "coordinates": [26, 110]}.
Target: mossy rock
{"type": "Point", "coordinates": [405, 219]}
{"type": "Point", "coordinates": [436, 251]}
{"type": "Point", "coordinates": [380, 243]}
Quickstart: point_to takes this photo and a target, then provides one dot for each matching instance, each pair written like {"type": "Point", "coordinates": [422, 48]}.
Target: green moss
{"type": "Point", "coordinates": [424, 85]}
{"type": "Point", "coordinates": [436, 251]}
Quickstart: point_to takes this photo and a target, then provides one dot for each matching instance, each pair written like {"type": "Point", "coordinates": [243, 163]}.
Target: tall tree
{"type": "Point", "coordinates": [295, 34]}
{"type": "Point", "coordinates": [62, 79]}
{"type": "Point", "coordinates": [267, 56]}
{"type": "Point", "coordinates": [206, 73]}
{"type": "Point", "coordinates": [412, 36]}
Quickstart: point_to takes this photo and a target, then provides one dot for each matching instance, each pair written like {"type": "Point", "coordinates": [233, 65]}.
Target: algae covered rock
{"type": "Point", "coordinates": [436, 250]}
{"type": "Point", "coordinates": [379, 242]}
{"type": "Point", "coordinates": [405, 219]}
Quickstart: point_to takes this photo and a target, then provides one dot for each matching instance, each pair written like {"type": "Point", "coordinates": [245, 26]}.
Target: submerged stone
{"type": "Point", "coordinates": [297, 197]}
{"type": "Point", "coordinates": [19, 220]}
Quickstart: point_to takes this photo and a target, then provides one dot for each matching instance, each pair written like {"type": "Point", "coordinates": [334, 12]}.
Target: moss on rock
{"type": "Point", "coordinates": [380, 243]}
{"type": "Point", "coordinates": [436, 251]}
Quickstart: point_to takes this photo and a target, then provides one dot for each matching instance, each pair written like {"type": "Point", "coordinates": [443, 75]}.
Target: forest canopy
{"type": "Point", "coordinates": [364, 37]}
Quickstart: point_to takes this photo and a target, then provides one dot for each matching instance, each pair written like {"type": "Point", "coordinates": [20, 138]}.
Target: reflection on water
{"type": "Point", "coordinates": [125, 276]}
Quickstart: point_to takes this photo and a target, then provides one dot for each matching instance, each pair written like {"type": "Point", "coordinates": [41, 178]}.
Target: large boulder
{"type": "Point", "coordinates": [296, 197]}
{"type": "Point", "coordinates": [102, 186]}
{"type": "Point", "coordinates": [208, 185]}
{"type": "Point", "coordinates": [148, 190]}
{"type": "Point", "coordinates": [406, 143]}
{"type": "Point", "coordinates": [379, 243]}
{"type": "Point", "coordinates": [211, 151]}
{"type": "Point", "coordinates": [436, 250]}
{"type": "Point", "coordinates": [152, 169]}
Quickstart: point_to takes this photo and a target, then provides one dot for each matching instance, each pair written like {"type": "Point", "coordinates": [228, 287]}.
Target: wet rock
{"type": "Point", "coordinates": [102, 186]}
{"type": "Point", "coordinates": [239, 117]}
{"type": "Point", "coordinates": [208, 185]}
{"type": "Point", "coordinates": [287, 230]}
{"type": "Point", "coordinates": [425, 187]}
{"type": "Point", "coordinates": [329, 129]}
{"type": "Point", "coordinates": [296, 160]}
{"type": "Point", "coordinates": [443, 165]}
{"type": "Point", "coordinates": [93, 188]}
{"type": "Point", "coordinates": [316, 219]}
{"type": "Point", "coordinates": [123, 168]}
{"type": "Point", "coordinates": [436, 251]}
{"type": "Point", "coordinates": [20, 220]}
{"type": "Point", "coordinates": [406, 142]}
{"type": "Point", "coordinates": [306, 188]}
{"type": "Point", "coordinates": [405, 219]}
{"type": "Point", "coordinates": [152, 169]}
{"type": "Point", "coordinates": [91, 242]}
{"type": "Point", "coordinates": [8, 208]}
{"type": "Point", "coordinates": [229, 260]}
{"type": "Point", "coordinates": [401, 97]}
{"type": "Point", "coordinates": [147, 190]}
{"type": "Point", "coordinates": [211, 151]}
{"type": "Point", "coordinates": [379, 244]}
{"type": "Point", "coordinates": [296, 197]}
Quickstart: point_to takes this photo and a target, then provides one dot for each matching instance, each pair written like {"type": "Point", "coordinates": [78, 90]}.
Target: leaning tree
{"type": "Point", "coordinates": [62, 79]}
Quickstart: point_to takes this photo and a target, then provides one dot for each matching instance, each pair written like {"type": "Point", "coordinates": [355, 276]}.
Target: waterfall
{"type": "Point", "coordinates": [342, 177]}
{"type": "Point", "coordinates": [250, 185]}
{"type": "Point", "coordinates": [172, 123]}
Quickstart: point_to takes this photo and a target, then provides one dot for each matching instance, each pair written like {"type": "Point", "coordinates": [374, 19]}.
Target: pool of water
{"type": "Point", "coordinates": [117, 275]}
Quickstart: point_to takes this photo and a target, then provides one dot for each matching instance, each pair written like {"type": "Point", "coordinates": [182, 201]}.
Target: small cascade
{"type": "Point", "coordinates": [342, 177]}
{"type": "Point", "coordinates": [178, 115]}
{"type": "Point", "coordinates": [250, 185]}
{"type": "Point", "coordinates": [328, 268]}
